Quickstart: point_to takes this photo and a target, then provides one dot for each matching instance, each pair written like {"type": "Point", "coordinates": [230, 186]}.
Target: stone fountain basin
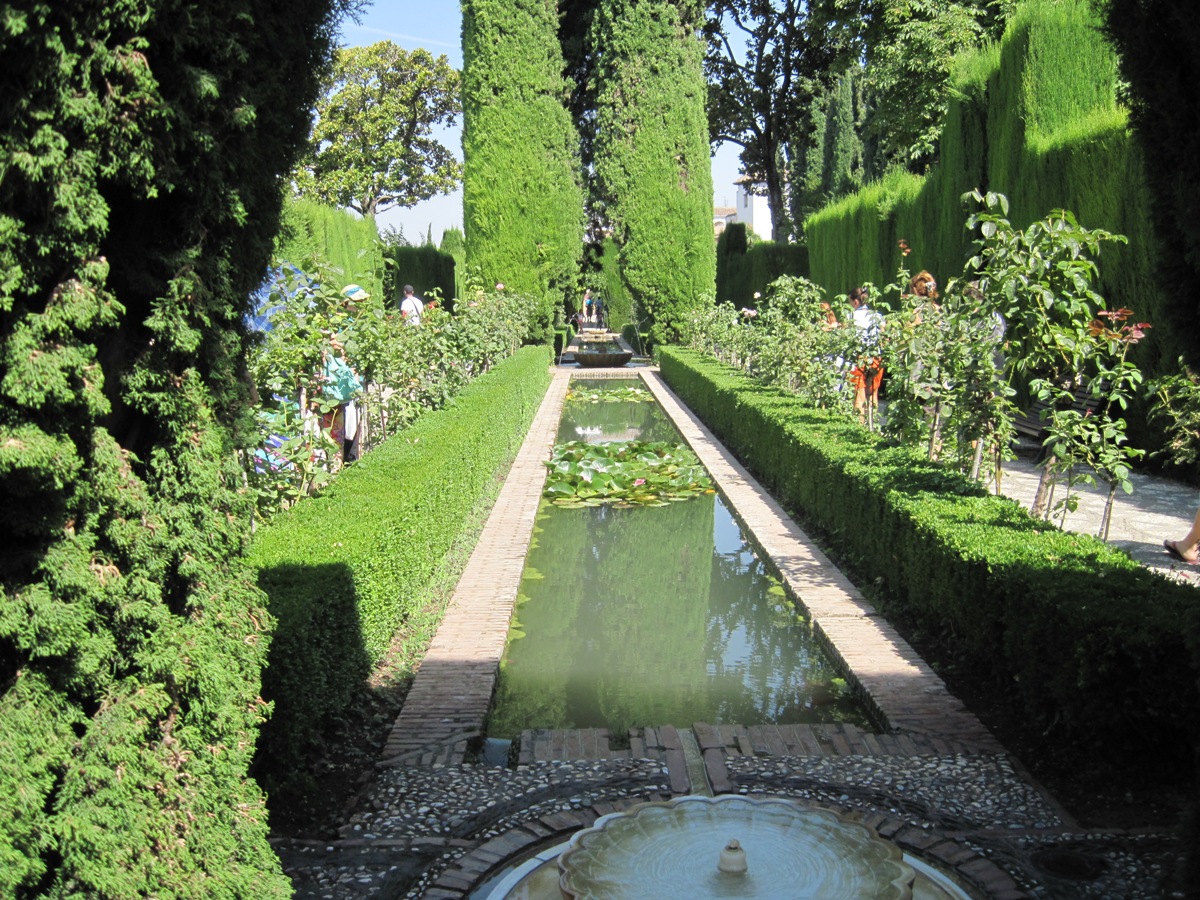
{"type": "Point", "coordinates": [671, 849]}
{"type": "Point", "coordinates": [595, 359]}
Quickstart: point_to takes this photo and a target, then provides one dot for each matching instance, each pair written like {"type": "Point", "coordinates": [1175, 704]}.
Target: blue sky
{"type": "Point", "coordinates": [436, 26]}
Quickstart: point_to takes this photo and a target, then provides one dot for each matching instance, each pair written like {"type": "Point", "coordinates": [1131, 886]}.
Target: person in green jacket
{"type": "Point", "coordinates": [343, 385]}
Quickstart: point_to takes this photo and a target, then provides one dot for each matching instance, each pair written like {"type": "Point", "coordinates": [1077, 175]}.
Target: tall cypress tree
{"type": "Point", "coordinates": [808, 166]}
{"type": "Point", "coordinates": [522, 193]}
{"type": "Point", "coordinates": [830, 165]}
{"type": "Point", "coordinates": [1158, 44]}
{"type": "Point", "coordinates": [144, 144]}
{"type": "Point", "coordinates": [843, 147]}
{"type": "Point", "coordinates": [654, 176]}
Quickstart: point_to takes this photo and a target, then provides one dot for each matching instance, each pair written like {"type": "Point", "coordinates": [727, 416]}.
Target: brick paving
{"type": "Point", "coordinates": [449, 699]}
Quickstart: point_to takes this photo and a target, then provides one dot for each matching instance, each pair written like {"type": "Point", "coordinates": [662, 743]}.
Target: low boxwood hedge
{"type": "Point", "coordinates": [1093, 643]}
{"type": "Point", "coordinates": [345, 569]}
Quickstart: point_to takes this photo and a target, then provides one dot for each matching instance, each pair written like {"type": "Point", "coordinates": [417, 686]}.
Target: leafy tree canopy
{"type": "Point", "coordinates": [911, 53]}
{"type": "Point", "coordinates": [373, 145]}
{"type": "Point", "coordinates": [767, 62]}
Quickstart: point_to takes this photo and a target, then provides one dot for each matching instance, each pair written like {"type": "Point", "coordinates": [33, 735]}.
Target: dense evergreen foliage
{"type": "Point", "coordinates": [314, 231]}
{"type": "Point", "coordinates": [1159, 46]}
{"type": "Point", "coordinates": [454, 245]}
{"type": "Point", "coordinates": [143, 145]}
{"type": "Point", "coordinates": [743, 271]}
{"type": "Point", "coordinates": [1037, 118]}
{"type": "Point", "coordinates": [652, 160]}
{"type": "Point", "coordinates": [427, 269]}
{"type": "Point", "coordinates": [610, 286]}
{"type": "Point", "coordinates": [835, 163]}
{"type": "Point", "coordinates": [522, 193]}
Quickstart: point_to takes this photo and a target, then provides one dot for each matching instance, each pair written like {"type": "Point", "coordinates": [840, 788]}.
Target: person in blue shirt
{"type": "Point", "coordinates": [342, 384]}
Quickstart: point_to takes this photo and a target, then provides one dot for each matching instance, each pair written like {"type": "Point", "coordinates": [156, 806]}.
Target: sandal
{"type": "Point", "coordinates": [1173, 548]}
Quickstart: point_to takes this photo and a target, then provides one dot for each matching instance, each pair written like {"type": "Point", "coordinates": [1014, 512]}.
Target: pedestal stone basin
{"type": "Point", "coordinates": [672, 849]}
{"type": "Point", "coordinates": [594, 359]}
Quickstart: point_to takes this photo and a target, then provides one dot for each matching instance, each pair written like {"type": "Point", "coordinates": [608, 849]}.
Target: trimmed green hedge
{"type": "Point", "coordinates": [562, 339]}
{"type": "Point", "coordinates": [345, 569]}
{"type": "Point", "coordinates": [313, 230]}
{"type": "Point", "coordinates": [742, 272]}
{"type": "Point", "coordinates": [1092, 641]}
{"type": "Point", "coordinates": [426, 268]}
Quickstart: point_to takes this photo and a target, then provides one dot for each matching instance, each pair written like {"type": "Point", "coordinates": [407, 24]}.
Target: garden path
{"type": "Point", "coordinates": [1158, 508]}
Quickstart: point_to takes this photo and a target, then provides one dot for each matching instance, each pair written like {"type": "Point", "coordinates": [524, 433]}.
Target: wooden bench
{"type": "Point", "coordinates": [1030, 422]}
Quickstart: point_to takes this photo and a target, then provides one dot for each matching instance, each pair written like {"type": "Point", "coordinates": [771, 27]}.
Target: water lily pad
{"type": "Point", "coordinates": [609, 395]}
{"type": "Point", "coordinates": [625, 472]}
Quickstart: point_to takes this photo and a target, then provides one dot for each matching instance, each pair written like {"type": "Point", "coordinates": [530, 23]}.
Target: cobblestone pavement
{"type": "Point", "coordinates": [439, 822]}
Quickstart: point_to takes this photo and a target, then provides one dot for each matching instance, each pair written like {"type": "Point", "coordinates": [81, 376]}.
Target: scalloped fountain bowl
{"type": "Point", "coordinates": [673, 849]}
{"type": "Point", "coordinates": [602, 354]}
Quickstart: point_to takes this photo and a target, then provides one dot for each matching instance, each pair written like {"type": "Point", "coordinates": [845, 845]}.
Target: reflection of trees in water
{"type": "Point", "coordinates": [616, 421]}
{"type": "Point", "coordinates": [763, 648]}
{"type": "Point", "coordinates": [615, 619]}
{"type": "Point", "coordinates": [530, 692]}
{"type": "Point", "coordinates": [633, 619]}
{"type": "Point", "coordinates": [652, 590]}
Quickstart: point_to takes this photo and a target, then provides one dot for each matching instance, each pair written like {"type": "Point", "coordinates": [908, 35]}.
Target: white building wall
{"type": "Point", "coordinates": [752, 209]}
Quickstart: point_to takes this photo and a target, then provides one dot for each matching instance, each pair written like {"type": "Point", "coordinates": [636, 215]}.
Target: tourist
{"type": "Point", "coordinates": [411, 307]}
{"type": "Point", "coordinates": [923, 285]}
{"type": "Point", "coordinates": [342, 385]}
{"type": "Point", "coordinates": [867, 374]}
{"type": "Point", "coordinates": [353, 295]}
{"type": "Point", "coordinates": [598, 306]}
{"type": "Point", "coordinates": [1185, 549]}
{"type": "Point", "coordinates": [587, 305]}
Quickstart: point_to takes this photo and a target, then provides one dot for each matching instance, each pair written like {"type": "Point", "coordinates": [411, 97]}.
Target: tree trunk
{"type": "Point", "coordinates": [775, 201]}
{"type": "Point", "coordinates": [1106, 519]}
{"type": "Point", "coordinates": [935, 433]}
{"type": "Point", "coordinates": [1045, 488]}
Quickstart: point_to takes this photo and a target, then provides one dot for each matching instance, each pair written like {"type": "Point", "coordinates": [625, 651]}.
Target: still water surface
{"type": "Point", "coordinates": [655, 616]}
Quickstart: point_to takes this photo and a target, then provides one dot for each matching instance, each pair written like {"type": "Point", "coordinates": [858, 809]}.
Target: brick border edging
{"type": "Point", "coordinates": [440, 716]}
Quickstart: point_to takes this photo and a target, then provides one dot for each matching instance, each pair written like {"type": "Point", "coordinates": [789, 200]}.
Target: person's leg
{"type": "Point", "coordinates": [1186, 547]}
{"type": "Point", "coordinates": [873, 378]}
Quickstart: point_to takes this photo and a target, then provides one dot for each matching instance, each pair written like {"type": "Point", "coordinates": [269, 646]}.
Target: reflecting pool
{"type": "Point", "coordinates": [641, 617]}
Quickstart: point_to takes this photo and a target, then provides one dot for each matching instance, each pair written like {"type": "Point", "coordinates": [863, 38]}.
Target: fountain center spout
{"type": "Point", "coordinates": [732, 859]}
